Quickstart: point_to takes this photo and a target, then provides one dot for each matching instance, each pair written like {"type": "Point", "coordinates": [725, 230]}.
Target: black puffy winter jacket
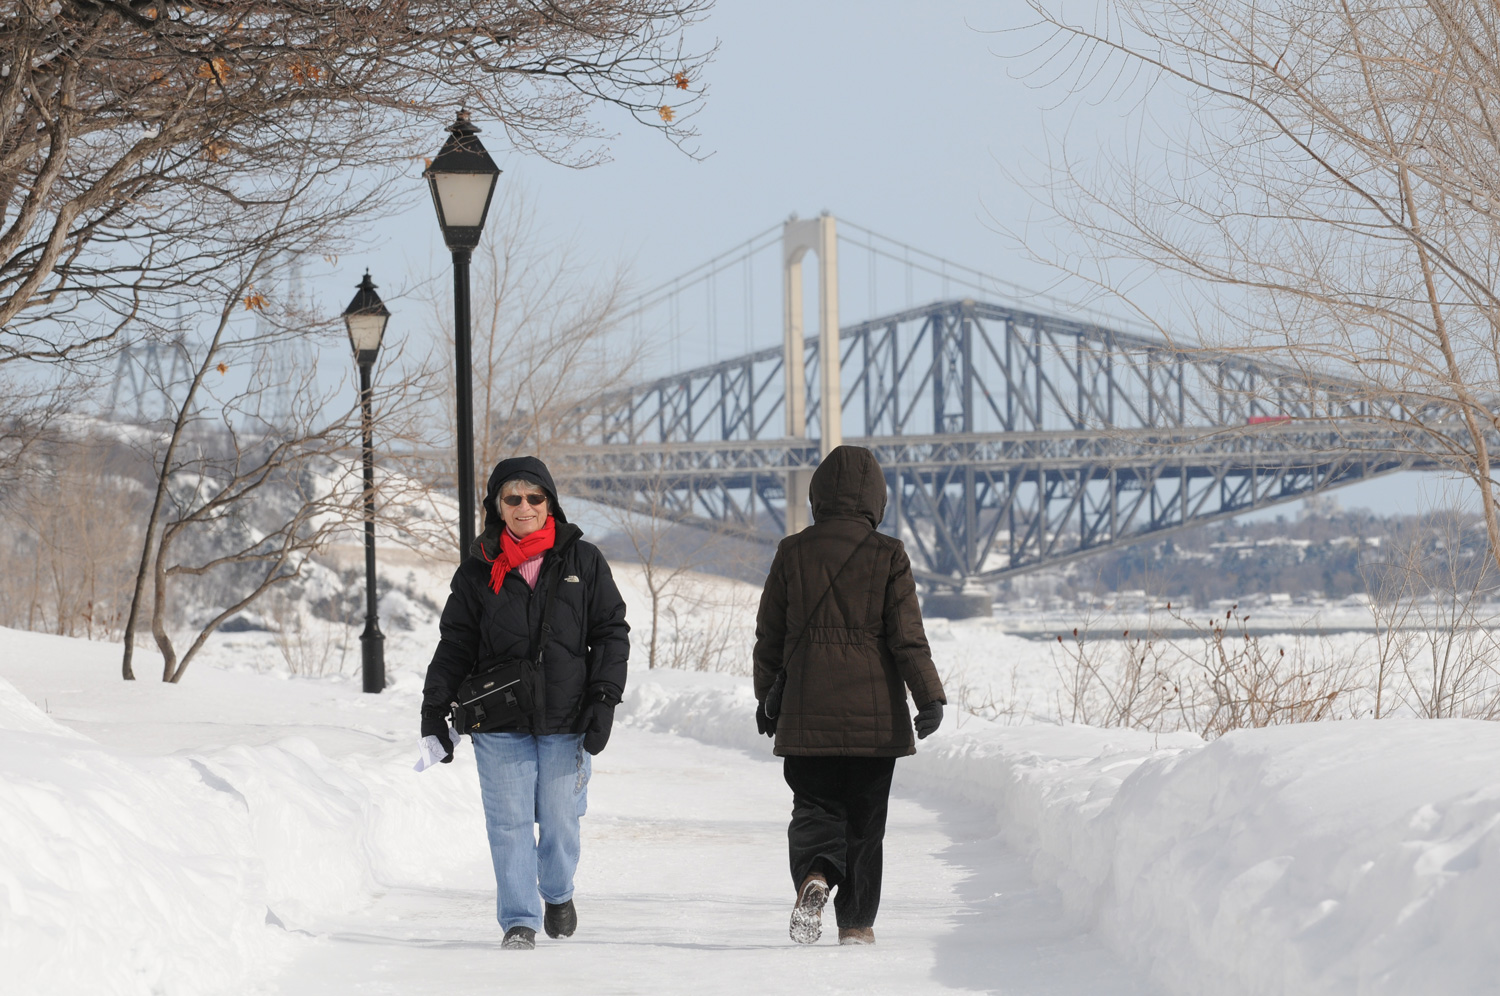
{"type": "Point", "coordinates": [587, 645]}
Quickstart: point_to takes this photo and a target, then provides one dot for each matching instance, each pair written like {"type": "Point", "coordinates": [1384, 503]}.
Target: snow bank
{"type": "Point", "coordinates": [118, 875]}
{"type": "Point", "coordinates": [125, 874]}
{"type": "Point", "coordinates": [1351, 858]}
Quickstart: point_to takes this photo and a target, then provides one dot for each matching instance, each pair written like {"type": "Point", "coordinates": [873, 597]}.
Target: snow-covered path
{"type": "Point", "coordinates": [683, 888]}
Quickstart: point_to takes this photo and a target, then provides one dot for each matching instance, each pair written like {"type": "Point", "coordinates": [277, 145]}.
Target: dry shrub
{"type": "Point", "coordinates": [1238, 682]}
{"type": "Point", "coordinates": [1117, 684]}
{"type": "Point", "coordinates": [1007, 708]}
{"type": "Point", "coordinates": [67, 540]}
{"type": "Point", "coordinates": [1219, 677]}
{"type": "Point", "coordinates": [703, 630]}
{"type": "Point", "coordinates": [311, 646]}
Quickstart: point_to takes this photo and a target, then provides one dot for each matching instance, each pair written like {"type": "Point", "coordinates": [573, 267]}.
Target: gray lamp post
{"type": "Point", "coordinates": [365, 318]}
{"type": "Point", "coordinates": [462, 179]}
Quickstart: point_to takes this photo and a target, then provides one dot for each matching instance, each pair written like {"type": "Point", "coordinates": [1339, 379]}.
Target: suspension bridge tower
{"type": "Point", "coordinates": [798, 237]}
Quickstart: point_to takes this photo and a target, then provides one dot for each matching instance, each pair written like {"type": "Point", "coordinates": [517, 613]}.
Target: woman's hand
{"type": "Point", "coordinates": [765, 720]}
{"type": "Point", "coordinates": [435, 724]}
{"type": "Point", "coordinates": [597, 717]}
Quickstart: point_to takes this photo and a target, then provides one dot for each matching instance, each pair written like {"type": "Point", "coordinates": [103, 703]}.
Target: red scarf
{"type": "Point", "coordinates": [514, 552]}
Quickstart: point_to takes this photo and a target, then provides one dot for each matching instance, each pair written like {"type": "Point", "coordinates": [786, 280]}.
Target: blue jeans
{"type": "Point", "coordinates": [525, 781]}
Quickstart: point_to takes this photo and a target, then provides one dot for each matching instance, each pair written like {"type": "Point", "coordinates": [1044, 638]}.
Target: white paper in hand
{"type": "Point", "coordinates": [433, 752]}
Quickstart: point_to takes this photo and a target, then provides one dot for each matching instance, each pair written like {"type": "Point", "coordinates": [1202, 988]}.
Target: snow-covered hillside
{"type": "Point", "coordinates": [247, 831]}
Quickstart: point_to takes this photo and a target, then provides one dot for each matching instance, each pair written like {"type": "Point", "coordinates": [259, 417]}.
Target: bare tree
{"type": "Point", "coordinates": [1436, 631]}
{"type": "Point", "coordinates": [1331, 199]}
{"type": "Point", "coordinates": [157, 154]}
{"type": "Point", "coordinates": [245, 496]}
{"type": "Point", "coordinates": [649, 530]}
{"type": "Point", "coordinates": [133, 131]}
{"type": "Point", "coordinates": [30, 413]}
{"type": "Point", "coordinates": [242, 493]}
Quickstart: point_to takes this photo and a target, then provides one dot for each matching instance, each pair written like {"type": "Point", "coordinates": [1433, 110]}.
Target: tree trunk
{"type": "Point", "coordinates": [655, 620]}
{"type": "Point", "coordinates": [127, 670]}
{"type": "Point", "coordinates": [158, 614]}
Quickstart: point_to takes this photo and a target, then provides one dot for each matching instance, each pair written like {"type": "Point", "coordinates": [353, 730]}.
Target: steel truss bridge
{"type": "Point", "coordinates": [1011, 440]}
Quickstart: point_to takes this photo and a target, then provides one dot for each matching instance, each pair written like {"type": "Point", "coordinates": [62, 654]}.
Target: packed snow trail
{"type": "Point", "coordinates": [683, 888]}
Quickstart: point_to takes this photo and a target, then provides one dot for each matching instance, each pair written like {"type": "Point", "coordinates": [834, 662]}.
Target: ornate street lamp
{"type": "Point", "coordinates": [462, 179]}
{"type": "Point", "coordinates": [365, 318]}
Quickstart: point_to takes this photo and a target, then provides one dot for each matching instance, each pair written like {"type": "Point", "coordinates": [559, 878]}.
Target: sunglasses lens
{"type": "Point", "coordinates": [536, 499]}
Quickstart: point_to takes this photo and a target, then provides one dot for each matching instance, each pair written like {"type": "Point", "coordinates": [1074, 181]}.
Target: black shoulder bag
{"type": "Point", "coordinates": [502, 691]}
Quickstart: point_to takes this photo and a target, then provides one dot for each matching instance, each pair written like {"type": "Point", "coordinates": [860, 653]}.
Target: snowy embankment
{"type": "Point", "coordinates": [178, 843]}
{"type": "Point", "coordinates": [188, 873]}
{"type": "Point", "coordinates": [1355, 857]}
{"type": "Point", "coordinates": [116, 861]}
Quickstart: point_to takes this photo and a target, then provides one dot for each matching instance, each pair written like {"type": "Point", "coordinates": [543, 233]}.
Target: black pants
{"type": "Point", "coordinates": [838, 828]}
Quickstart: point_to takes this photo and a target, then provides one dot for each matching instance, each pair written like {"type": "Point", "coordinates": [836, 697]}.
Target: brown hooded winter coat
{"type": "Point", "coordinates": [839, 613]}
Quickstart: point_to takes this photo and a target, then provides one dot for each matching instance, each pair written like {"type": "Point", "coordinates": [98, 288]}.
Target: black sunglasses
{"type": "Point", "coordinates": [514, 501]}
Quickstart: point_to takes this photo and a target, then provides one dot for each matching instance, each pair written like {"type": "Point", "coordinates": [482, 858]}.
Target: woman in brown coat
{"type": "Point", "coordinates": [838, 642]}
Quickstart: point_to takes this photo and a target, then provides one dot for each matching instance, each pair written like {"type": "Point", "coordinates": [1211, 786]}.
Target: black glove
{"type": "Point", "coordinates": [773, 695]}
{"type": "Point", "coordinates": [929, 718]}
{"type": "Point", "coordinates": [597, 717]}
{"type": "Point", "coordinates": [435, 724]}
{"type": "Point", "coordinates": [764, 722]}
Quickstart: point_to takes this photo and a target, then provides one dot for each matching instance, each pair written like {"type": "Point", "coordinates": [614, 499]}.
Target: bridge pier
{"type": "Point", "coordinates": [972, 601]}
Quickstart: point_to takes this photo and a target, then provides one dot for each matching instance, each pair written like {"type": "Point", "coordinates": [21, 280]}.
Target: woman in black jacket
{"type": "Point", "coordinates": [532, 585]}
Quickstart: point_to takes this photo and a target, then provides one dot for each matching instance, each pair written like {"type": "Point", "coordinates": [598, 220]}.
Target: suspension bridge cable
{"type": "Point", "coordinates": [968, 276]}
{"type": "Point", "coordinates": [703, 270]}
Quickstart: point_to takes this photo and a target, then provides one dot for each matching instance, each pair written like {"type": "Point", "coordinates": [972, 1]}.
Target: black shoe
{"type": "Point", "coordinates": [519, 939]}
{"type": "Point", "coordinates": [561, 920]}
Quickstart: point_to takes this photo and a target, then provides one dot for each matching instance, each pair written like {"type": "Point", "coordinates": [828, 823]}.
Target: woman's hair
{"type": "Point", "coordinates": [523, 486]}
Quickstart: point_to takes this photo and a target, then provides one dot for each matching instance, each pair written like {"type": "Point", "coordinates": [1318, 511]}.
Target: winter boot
{"type": "Point", "coordinates": [519, 939]}
{"type": "Point", "coordinates": [561, 920]}
{"type": "Point", "coordinates": [807, 915]}
{"type": "Point", "coordinates": [856, 935]}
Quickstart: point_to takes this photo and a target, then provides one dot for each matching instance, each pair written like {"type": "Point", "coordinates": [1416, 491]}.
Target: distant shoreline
{"type": "Point", "coordinates": [1182, 632]}
{"type": "Point", "coordinates": [1114, 627]}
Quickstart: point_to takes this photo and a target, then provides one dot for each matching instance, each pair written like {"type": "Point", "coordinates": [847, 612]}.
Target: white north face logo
{"type": "Point", "coordinates": [572, 577]}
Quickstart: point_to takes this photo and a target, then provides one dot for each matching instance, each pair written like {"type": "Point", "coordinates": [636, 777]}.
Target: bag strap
{"type": "Point", "coordinates": [780, 680]}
